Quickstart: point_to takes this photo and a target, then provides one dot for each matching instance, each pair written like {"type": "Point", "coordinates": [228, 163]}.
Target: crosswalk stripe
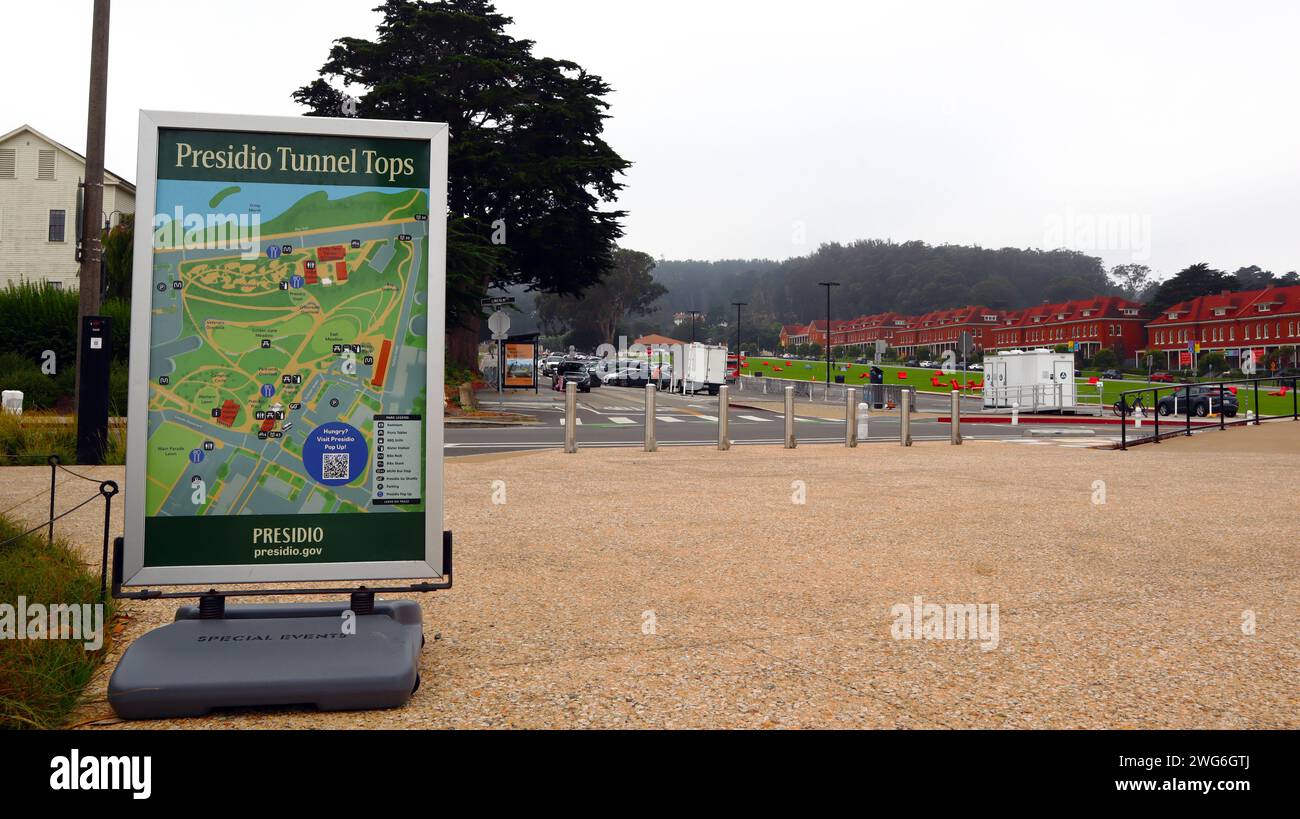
{"type": "Point", "coordinates": [618, 419]}
{"type": "Point", "coordinates": [751, 418]}
{"type": "Point", "coordinates": [668, 419]}
{"type": "Point", "coordinates": [707, 417]}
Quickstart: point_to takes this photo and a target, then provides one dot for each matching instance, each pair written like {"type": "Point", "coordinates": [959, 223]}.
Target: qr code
{"type": "Point", "coordinates": [335, 466]}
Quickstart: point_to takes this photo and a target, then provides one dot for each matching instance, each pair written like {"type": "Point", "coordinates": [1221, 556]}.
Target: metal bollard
{"type": "Point", "coordinates": [790, 442]}
{"type": "Point", "coordinates": [905, 417]}
{"type": "Point", "coordinates": [956, 418]}
{"type": "Point", "coordinates": [651, 445]}
{"type": "Point", "coordinates": [850, 418]}
{"type": "Point", "coordinates": [570, 417]}
{"type": "Point", "coordinates": [1015, 413]}
{"type": "Point", "coordinates": [724, 410]}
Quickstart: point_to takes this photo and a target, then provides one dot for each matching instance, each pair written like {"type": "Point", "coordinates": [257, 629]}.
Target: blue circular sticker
{"type": "Point", "coordinates": [273, 252]}
{"type": "Point", "coordinates": [268, 390]}
{"type": "Point", "coordinates": [196, 456]}
{"type": "Point", "coordinates": [335, 454]}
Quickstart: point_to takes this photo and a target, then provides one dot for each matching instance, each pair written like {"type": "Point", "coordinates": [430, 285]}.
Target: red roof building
{"type": "Point", "coordinates": [1229, 322]}
{"type": "Point", "coordinates": [331, 253]}
{"type": "Point", "coordinates": [942, 329]}
{"type": "Point", "coordinates": [1101, 322]}
{"type": "Point", "coordinates": [340, 271]}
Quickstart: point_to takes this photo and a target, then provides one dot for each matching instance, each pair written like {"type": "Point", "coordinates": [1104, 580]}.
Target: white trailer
{"type": "Point", "coordinates": [699, 367]}
{"type": "Point", "coordinates": [1031, 380]}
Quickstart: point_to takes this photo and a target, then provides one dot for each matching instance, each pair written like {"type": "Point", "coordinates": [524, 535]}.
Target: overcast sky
{"type": "Point", "coordinates": [1161, 132]}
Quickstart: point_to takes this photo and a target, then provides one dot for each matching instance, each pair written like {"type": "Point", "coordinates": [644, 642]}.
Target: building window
{"type": "Point", "coordinates": [55, 283]}
{"type": "Point", "coordinates": [58, 219]}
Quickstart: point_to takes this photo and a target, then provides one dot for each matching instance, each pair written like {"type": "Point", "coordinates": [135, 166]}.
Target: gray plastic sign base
{"type": "Point", "coordinates": [269, 655]}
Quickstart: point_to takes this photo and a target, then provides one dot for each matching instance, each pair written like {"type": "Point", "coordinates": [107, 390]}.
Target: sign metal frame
{"type": "Point", "coordinates": [133, 570]}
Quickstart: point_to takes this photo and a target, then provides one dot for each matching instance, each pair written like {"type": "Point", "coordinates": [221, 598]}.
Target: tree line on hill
{"type": "Point", "coordinates": [912, 278]}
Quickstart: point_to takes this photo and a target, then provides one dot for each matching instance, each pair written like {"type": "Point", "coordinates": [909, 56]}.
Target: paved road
{"type": "Point", "coordinates": [615, 417]}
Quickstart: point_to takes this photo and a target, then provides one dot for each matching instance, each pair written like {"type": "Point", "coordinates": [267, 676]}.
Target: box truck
{"type": "Point", "coordinates": [699, 367]}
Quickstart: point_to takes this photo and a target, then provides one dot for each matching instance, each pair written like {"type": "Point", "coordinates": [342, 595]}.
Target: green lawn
{"type": "Point", "coordinates": [804, 370]}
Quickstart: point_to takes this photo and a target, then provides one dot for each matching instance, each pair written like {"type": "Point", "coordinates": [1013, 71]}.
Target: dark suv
{"type": "Point", "coordinates": [574, 372]}
{"type": "Point", "coordinates": [1202, 400]}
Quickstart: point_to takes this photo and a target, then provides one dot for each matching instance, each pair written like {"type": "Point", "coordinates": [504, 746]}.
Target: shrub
{"type": "Point", "coordinates": [40, 391]}
{"type": "Point", "coordinates": [39, 317]}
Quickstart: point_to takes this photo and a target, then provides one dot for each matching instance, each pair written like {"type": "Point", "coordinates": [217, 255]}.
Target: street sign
{"type": "Point", "coordinates": [326, 462]}
{"type": "Point", "coordinates": [499, 324]}
{"type": "Point", "coordinates": [497, 301]}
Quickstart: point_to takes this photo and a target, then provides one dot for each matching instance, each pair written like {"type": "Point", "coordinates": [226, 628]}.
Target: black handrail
{"type": "Point", "coordinates": [1223, 386]}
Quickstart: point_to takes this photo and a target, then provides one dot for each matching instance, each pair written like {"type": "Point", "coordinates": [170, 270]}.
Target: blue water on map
{"type": "Point", "coordinates": [192, 196]}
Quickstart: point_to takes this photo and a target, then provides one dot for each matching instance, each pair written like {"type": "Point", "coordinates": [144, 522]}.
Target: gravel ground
{"type": "Point", "coordinates": [769, 613]}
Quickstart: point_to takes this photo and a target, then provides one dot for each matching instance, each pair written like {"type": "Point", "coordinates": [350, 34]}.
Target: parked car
{"type": "Point", "coordinates": [1112, 375]}
{"type": "Point", "coordinates": [1202, 399]}
{"type": "Point", "coordinates": [975, 367]}
{"type": "Point", "coordinates": [549, 363]}
{"type": "Point", "coordinates": [594, 371]}
{"type": "Point", "coordinates": [625, 377]}
{"type": "Point", "coordinates": [1163, 378]}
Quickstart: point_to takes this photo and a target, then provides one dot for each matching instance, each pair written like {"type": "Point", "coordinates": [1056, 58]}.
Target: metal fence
{"type": "Point", "coordinates": [1084, 398]}
{"type": "Point", "coordinates": [879, 396]}
{"type": "Point", "coordinates": [1187, 408]}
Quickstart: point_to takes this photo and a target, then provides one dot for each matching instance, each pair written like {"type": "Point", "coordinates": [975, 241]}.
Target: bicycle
{"type": "Point", "coordinates": [1123, 410]}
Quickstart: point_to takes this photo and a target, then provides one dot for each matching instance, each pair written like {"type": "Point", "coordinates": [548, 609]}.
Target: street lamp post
{"type": "Point", "coordinates": [828, 286]}
{"type": "Point", "coordinates": [738, 305]}
{"type": "Point", "coordinates": [693, 314]}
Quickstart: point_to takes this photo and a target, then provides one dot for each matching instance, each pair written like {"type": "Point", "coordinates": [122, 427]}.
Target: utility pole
{"type": "Point", "coordinates": [738, 305]}
{"type": "Point", "coordinates": [693, 314]}
{"type": "Point", "coordinates": [91, 287]}
{"type": "Point", "coordinates": [828, 286]}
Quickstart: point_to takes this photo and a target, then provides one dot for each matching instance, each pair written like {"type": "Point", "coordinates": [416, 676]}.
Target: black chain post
{"type": "Point", "coordinates": [1187, 408]}
{"type": "Point", "coordinates": [108, 489]}
{"type": "Point", "coordinates": [53, 461]}
{"type": "Point", "coordinates": [1257, 413]}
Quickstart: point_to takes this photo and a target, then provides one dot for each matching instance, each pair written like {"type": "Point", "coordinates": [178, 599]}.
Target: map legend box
{"type": "Point", "coordinates": [399, 460]}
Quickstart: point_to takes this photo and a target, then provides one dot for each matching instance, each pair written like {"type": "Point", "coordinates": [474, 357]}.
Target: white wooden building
{"type": "Point", "coordinates": [38, 207]}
